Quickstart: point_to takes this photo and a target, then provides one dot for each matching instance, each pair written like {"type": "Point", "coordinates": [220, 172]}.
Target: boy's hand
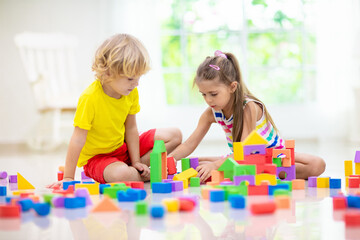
{"type": "Point", "coordinates": [204, 171]}
{"type": "Point", "coordinates": [59, 184]}
{"type": "Point", "coordinates": [143, 169]}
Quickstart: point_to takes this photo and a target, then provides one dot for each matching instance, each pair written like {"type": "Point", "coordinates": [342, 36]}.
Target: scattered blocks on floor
{"type": "Point", "coordinates": [171, 204]}
{"type": "Point", "coordinates": [106, 204]}
{"type": "Point", "coordinates": [74, 202]}
{"type": "Point", "coordinates": [237, 201]}
{"type": "Point", "coordinates": [217, 195]}
{"type": "Point", "coordinates": [23, 183]}
{"type": "Point", "coordinates": [157, 211]}
{"type": "Point", "coordinates": [298, 184]}
{"type": "Point", "coordinates": [266, 207]}
{"type": "Point", "coordinates": [26, 204]}
{"type": "Point", "coordinates": [42, 209]}
{"type": "Point", "coordinates": [10, 211]}
{"type": "Point", "coordinates": [3, 191]}
{"type": "Point", "coordinates": [141, 208]}
{"type": "Point", "coordinates": [161, 187]}
{"type": "Point", "coordinates": [195, 182]}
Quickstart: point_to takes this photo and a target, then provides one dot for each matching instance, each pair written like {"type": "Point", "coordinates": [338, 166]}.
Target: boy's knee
{"type": "Point", "coordinates": [118, 173]}
{"type": "Point", "coordinates": [319, 166]}
{"type": "Point", "coordinates": [177, 136]}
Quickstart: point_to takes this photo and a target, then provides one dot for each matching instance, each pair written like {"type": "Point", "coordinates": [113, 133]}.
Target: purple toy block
{"type": "Point", "coordinates": [290, 172]}
{"type": "Point", "coordinates": [84, 177]}
{"type": "Point", "coordinates": [177, 186]}
{"type": "Point", "coordinates": [249, 178]}
{"type": "Point", "coordinates": [226, 183]}
{"type": "Point", "coordinates": [12, 178]}
{"type": "Point", "coordinates": [3, 174]}
{"type": "Point", "coordinates": [58, 202]}
{"type": "Point", "coordinates": [312, 181]}
{"type": "Point", "coordinates": [167, 180]}
{"type": "Point", "coordinates": [254, 149]}
{"type": "Point", "coordinates": [3, 182]}
{"type": "Point", "coordinates": [357, 157]}
{"type": "Point", "coordinates": [84, 192]}
{"type": "Point", "coordinates": [171, 176]}
{"type": "Point", "coordinates": [194, 163]}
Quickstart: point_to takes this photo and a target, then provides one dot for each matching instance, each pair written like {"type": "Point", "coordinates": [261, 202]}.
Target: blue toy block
{"type": "Point", "coordinates": [335, 182]}
{"type": "Point", "coordinates": [2, 190]}
{"type": "Point", "coordinates": [160, 187]}
{"type": "Point", "coordinates": [67, 184]}
{"type": "Point", "coordinates": [217, 195]}
{"type": "Point", "coordinates": [26, 204]}
{"type": "Point", "coordinates": [75, 202]}
{"type": "Point", "coordinates": [42, 209]}
{"type": "Point", "coordinates": [353, 201]}
{"type": "Point", "coordinates": [102, 186]}
{"type": "Point", "coordinates": [157, 211]}
{"type": "Point", "coordinates": [131, 195]}
{"type": "Point", "coordinates": [237, 201]}
{"type": "Point", "coordinates": [272, 188]}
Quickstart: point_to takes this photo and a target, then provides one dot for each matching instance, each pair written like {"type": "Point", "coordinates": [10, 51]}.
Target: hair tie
{"type": "Point", "coordinates": [219, 53]}
{"type": "Point", "coordinates": [217, 68]}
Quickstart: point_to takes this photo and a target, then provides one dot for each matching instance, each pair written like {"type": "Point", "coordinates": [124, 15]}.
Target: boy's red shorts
{"type": "Point", "coordinates": [97, 164]}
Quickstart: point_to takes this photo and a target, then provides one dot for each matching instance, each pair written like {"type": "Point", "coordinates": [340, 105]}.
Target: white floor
{"type": "Point", "coordinates": [310, 217]}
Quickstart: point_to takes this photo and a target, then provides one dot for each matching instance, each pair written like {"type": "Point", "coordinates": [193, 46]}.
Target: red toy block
{"type": "Point", "coordinates": [339, 202]}
{"type": "Point", "coordinates": [352, 219]}
{"type": "Point", "coordinates": [69, 190]}
{"type": "Point", "coordinates": [268, 155]}
{"type": "Point", "coordinates": [254, 159]}
{"type": "Point", "coordinates": [186, 205]}
{"type": "Point", "coordinates": [60, 176]}
{"type": "Point", "coordinates": [354, 182]}
{"type": "Point", "coordinates": [263, 207]}
{"type": "Point", "coordinates": [171, 166]}
{"type": "Point", "coordinates": [10, 211]}
{"type": "Point", "coordinates": [137, 185]}
{"type": "Point", "coordinates": [258, 190]}
{"type": "Point", "coordinates": [267, 168]}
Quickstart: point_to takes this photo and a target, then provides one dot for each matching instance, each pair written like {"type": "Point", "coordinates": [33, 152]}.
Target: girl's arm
{"type": "Point", "coordinates": [195, 138]}
{"type": "Point", "coordinates": [132, 142]}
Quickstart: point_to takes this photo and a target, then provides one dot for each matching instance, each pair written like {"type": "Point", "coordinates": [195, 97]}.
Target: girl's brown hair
{"type": "Point", "coordinates": [227, 72]}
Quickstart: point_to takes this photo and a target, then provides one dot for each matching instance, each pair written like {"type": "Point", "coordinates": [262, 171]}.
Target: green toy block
{"type": "Point", "coordinates": [159, 146]}
{"type": "Point", "coordinates": [243, 188]}
{"type": "Point", "coordinates": [112, 191]}
{"type": "Point", "coordinates": [277, 162]}
{"type": "Point", "coordinates": [141, 208]}
{"type": "Point", "coordinates": [228, 165]}
{"type": "Point", "coordinates": [48, 197]}
{"type": "Point", "coordinates": [185, 164]}
{"type": "Point", "coordinates": [281, 192]}
{"type": "Point", "coordinates": [288, 183]}
{"type": "Point", "coordinates": [155, 167]}
{"type": "Point", "coordinates": [194, 182]}
{"type": "Point", "coordinates": [240, 170]}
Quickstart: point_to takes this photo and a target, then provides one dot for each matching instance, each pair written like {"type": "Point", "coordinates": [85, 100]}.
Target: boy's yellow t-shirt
{"type": "Point", "coordinates": [104, 118]}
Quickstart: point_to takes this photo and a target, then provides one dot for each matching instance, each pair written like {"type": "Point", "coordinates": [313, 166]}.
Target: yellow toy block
{"type": "Point", "coordinates": [346, 181]}
{"type": "Point", "coordinates": [357, 168]}
{"type": "Point", "coordinates": [265, 177]}
{"type": "Point", "coordinates": [323, 182]}
{"type": "Point", "coordinates": [348, 165]}
{"type": "Point", "coordinates": [18, 192]}
{"type": "Point", "coordinates": [93, 188]}
{"type": "Point", "coordinates": [238, 151]}
{"type": "Point", "coordinates": [185, 183]}
{"type": "Point", "coordinates": [23, 183]}
{"type": "Point", "coordinates": [188, 173]}
{"type": "Point", "coordinates": [254, 139]}
{"type": "Point", "coordinates": [171, 204]}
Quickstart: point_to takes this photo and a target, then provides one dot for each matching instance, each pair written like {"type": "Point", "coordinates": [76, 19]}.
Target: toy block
{"type": "Point", "coordinates": [141, 208]}
{"type": "Point", "coordinates": [159, 146]}
{"type": "Point", "coordinates": [48, 198]}
{"type": "Point", "coordinates": [155, 167]}
{"type": "Point", "coordinates": [254, 149]}
{"type": "Point", "coordinates": [312, 181]}
{"type": "Point", "coordinates": [282, 202]}
{"type": "Point", "coordinates": [268, 155]}
{"type": "Point", "coordinates": [352, 219]}
{"type": "Point", "coordinates": [257, 159]}
{"type": "Point", "coordinates": [285, 154]}
{"type": "Point", "coordinates": [265, 176]}
{"type": "Point", "coordinates": [339, 202]}
{"type": "Point", "coordinates": [354, 182]}
{"type": "Point", "coordinates": [171, 166]}
{"type": "Point", "coordinates": [186, 174]}
{"type": "Point", "coordinates": [353, 201]}
{"type": "Point", "coordinates": [171, 176]}
{"type": "Point", "coordinates": [266, 168]}
{"type": "Point", "coordinates": [106, 204]}
{"type": "Point", "coordinates": [277, 161]}
{"type": "Point", "coordinates": [112, 191]}
{"type": "Point", "coordinates": [258, 190]}
{"type": "Point", "coordinates": [3, 191]}
{"type": "Point", "coordinates": [249, 179]}
{"type": "Point", "coordinates": [69, 183]}
{"type": "Point", "coordinates": [205, 192]}
{"type": "Point", "coordinates": [240, 170]}
{"type": "Point", "coordinates": [226, 183]}
{"type": "Point", "coordinates": [289, 172]}
{"type": "Point", "coordinates": [161, 187]}
{"type": "Point", "coordinates": [298, 184]}
{"type": "Point", "coordinates": [212, 183]}
{"type": "Point", "coordinates": [60, 176]}
{"type": "Point", "coordinates": [357, 168]}
{"type": "Point", "coordinates": [12, 178]}
{"type": "Point", "coordinates": [238, 151]}
{"type": "Point", "coordinates": [357, 157]}
{"type": "Point", "coordinates": [102, 187]}
{"type": "Point", "coordinates": [195, 182]}
{"type": "Point", "coordinates": [348, 165]}
{"type": "Point", "coordinates": [289, 143]}
{"type": "Point", "coordinates": [9, 211]}
{"type": "Point", "coordinates": [171, 204]}
{"type": "Point", "coordinates": [185, 183]}
{"type": "Point", "coordinates": [61, 169]}
{"type": "Point", "coordinates": [281, 192]}
{"type": "Point", "coordinates": [164, 168]}
{"type": "Point", "coordinates": [93, 188]}
{"type": "Point", "coordinates": [3, 174]}
{"type": "Point", "coordinates": [176, 185]}
{"type": "Point", "coordinates": [254, 138]}
{"type": "Point", "coordinates": [185, 164]}
{"type": "Point", "coordinates": [42, 209]}
{"type": "Point", "coordinates": [217, 176]}
{"type": "Point", "coordinates": [228, 168]}
{"type": "Point", "coordinates": [85, 178]}
{"type": "Point", "coordinates": [194, 162]}
{"type": "Point", "coordinates": [84, 192]}
{"type": "Point", "coordinates": [266, 207]}
{"type": "Point", "coordinates": [130, 195]}
{"type": "Point", "coordinates": [74, 202]}
{"type": "Point", "coordinates": [186, 205]}
{"type": "Point", "coordinates": [157, 211]}
{"type": "Point", "coordinates": [217, 195]}
{"type": "Point", "coordinates": [335, 183]}
{"type": "Point", "coordinates": [323, 182]}
{"type": "Point", "coordinates": [25, 204]}
{"type": "Point", "coordinates": [58, 202]}
{"type": "Point", "coordinates": [23, 183]}
{"type": "Point", "coordinates": [272, 189]}
{"type": "Point", "coordinates": [286, 162]}
{"type": "Point", "coordinates": [237, 201]}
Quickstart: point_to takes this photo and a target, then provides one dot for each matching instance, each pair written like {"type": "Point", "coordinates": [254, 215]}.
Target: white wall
{"type": "Point", "coordinates": [94, 20]}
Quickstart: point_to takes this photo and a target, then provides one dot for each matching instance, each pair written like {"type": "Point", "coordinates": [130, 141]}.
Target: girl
{"type": "Point", "coordinates": [239, 112]}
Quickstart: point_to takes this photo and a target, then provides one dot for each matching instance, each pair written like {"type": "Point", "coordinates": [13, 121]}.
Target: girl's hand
{"type": "Point", "coordinates": [143, 169]}
{"type": "Point", "coordinates": [59, 184]}
{"type": "Point", "coordinates": [204, 171]}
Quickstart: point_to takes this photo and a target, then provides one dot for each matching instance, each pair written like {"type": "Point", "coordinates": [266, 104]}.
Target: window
{"type": "Point", "coordinates": [272, 39]}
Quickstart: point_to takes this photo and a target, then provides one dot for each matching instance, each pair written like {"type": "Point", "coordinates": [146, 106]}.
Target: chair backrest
{"type": "Point", "coordinates": [50, 64]}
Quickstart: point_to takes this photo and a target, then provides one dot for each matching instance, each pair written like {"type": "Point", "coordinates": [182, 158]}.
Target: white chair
{"type": "Point", "coordinates": [50, 64]}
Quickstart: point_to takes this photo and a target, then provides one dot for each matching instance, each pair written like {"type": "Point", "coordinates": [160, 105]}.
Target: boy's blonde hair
{"type": "Point", "coordinates": [120, 55]}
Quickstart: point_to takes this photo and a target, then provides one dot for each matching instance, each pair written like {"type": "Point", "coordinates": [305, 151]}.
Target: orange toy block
{"type": "Point", "coordinates": [205, 192]}
{"type": "Point", "coordinates": [282, 202]}
{"type": "Point", "coordinates": [61, 168]}
{"type": "Point", "coordinates": [164, 168]}
{"type": "Point", "coordinates": [106, 205]}
{"type": "Point", "coordinates": [217, 176]}
{"type": "Point", "coordinates": [290, 143]}
{"type": "Point", "coordinates": [298, 184]}
{"type": "Point", "coordinates": [286, 162]}
{"type": "Point", "coordinates": [23, 183]}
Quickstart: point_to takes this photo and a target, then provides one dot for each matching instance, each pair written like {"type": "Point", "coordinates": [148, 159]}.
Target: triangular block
{"type": "Point", "coordinates": [106, 205]}
{"type": "Point", "coordinates": [23, 183]}
{"type": "Point", "coordinates": [254, 139]}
